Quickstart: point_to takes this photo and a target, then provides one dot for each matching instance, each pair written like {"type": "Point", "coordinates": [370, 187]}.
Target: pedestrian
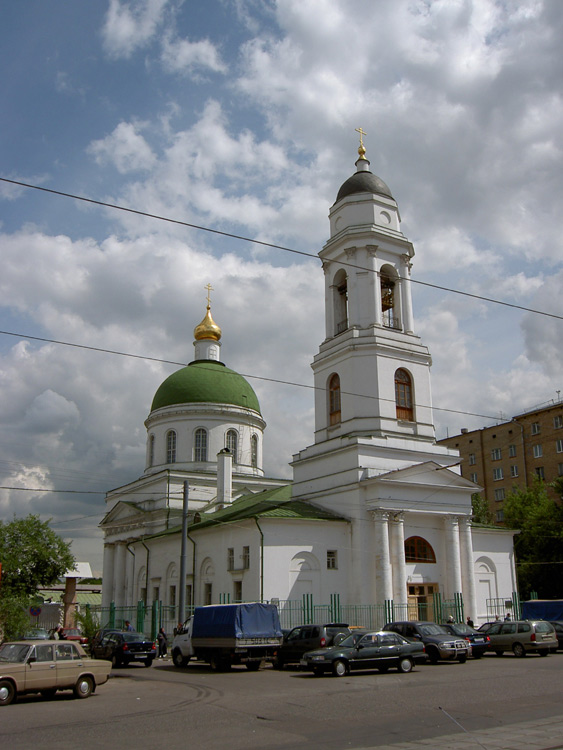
{"type": "Point", "coordinates": [507, 617]}
{"type": "Point", "coordinates": [450, 619]}
{"type": "Point", "coordinates": [470, 621]}
{"type": "Point", "coordinates": [162, 643]}
{"type": "Point", "coordinates": [128, 627]}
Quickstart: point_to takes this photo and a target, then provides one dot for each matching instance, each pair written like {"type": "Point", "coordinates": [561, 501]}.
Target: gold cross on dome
{"type": "Point", "coordinates": [209, 290]}
{"type": "Point", "coordinates": [362, 133]}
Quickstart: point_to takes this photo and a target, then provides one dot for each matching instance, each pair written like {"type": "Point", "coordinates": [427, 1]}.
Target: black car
{"type": "Point", "coordinates": [307, 637]}
{"type": "Point", "coordinates": [100, 635]}
{"type": "Point", "coordinates": [480, 642]}
{"type": "Point", "coordinates": [123, 648]}
{"type": "Point", "coordinates": [558, 625]}
{"type": "Point", "coordinates": [361, 650]}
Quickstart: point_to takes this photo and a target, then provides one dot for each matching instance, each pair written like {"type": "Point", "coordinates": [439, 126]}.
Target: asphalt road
{"type": "Point", "coordinates": [172, 708]}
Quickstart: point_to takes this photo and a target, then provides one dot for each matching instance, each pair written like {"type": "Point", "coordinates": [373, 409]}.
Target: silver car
{"type": "Point", "coordinates": [521, 637]}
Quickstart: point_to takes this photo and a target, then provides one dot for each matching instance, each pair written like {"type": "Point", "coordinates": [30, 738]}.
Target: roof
{"type": "Point", "coordinates": [363, 182]}
{"type": "Point", "coordinates": [205, 381]}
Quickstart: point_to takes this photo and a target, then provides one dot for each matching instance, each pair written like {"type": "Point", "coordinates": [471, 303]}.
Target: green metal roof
{"type": "Point", "coordinates": [205, 382]}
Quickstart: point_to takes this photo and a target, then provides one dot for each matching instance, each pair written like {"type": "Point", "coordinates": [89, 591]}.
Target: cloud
{"type": "Point", "coordinates": [130, 26]}
{"type": "Point", "coordinates": [125, 148]}
{"type": "Point", "coordinates": [183, 56]}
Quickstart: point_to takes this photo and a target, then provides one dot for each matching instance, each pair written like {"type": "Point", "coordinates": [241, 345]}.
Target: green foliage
{"type": "Point", "coordinates": [539, 545]}
{"type": "Point", "coordinates": [87, 622]}
{"type": "Point", "coordinates": [480, 511]}
{"type": "Point", "coordinates": [32, 556]}
{"type": "Point", "coordinates": [14, 620]}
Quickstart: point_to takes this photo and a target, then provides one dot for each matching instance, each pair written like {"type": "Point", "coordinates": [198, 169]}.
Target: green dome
{"type": "Point", "coordinates": [205, 381]}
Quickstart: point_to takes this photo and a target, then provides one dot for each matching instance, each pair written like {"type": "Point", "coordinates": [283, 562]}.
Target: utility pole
{"type": "Point", "coordinates": [183, 554]}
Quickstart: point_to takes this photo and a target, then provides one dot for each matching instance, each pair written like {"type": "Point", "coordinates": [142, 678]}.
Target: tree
{"type": "Point", "coordinates": [480, 511]}
{"type": "Point", "coordinates": [539, 545]}
{"type": "Point", "coordinates": [32, 555]}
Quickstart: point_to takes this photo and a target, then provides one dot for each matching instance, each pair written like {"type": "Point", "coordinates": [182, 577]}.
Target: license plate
{"type": "Point", "coordinates": [479, 640]}
{"type": "Point", "coordinates": [140, 656]}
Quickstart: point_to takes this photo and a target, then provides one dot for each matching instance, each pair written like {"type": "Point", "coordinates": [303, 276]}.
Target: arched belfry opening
{"type": "Point", "coordinates": [389, 298]}
{"type": "Point", "coordinates": [340, 301]}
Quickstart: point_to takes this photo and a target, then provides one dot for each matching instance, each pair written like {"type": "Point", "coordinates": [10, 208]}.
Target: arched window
{"type": "Point", "coordinates": [388, 299]}
{"type": "Point", "coordinates": [418, 549]}
{"type": "Point", "coordinates": [151, 450]}
{"type": "Point", "coordinates": [231, 443]}
{"type": "Point", "coordinates": [403, 395]}
{"type": "Point", "coordinates": [200, 444]}
{"type": "Point", "coordinates": [334, 413]}
{"type": "Point", "coordinates": [171, 447]}
{"type": "Point", "coordinates": [254, 451]}
{"type": "Point", "coordinates": [340, 286]}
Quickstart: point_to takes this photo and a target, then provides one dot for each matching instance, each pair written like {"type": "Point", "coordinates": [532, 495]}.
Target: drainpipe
{"type": "Point", "coordinates": [261, 559]}
{"type": "Point", "coordinates": [147, 574]}
{"type": "Point", "coordinates": [193, 570]}
{"type": "Point", "coordinates": [131, 552]}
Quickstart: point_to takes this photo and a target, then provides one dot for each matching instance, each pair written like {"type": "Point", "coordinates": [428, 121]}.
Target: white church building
{"type": "Point", "coordinates": [377, 513]}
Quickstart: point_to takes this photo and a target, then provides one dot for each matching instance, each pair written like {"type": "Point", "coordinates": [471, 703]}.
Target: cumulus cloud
{"type": "Point", "coordinates": [183, 56]}
{"type": "Point", "coordinates": [129, 26]}
{"type": "Point", "coordinates": [125, 148]}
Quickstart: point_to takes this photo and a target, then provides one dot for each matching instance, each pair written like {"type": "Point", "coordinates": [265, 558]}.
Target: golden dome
{"type": "Point", "coordinates": [207, 329]}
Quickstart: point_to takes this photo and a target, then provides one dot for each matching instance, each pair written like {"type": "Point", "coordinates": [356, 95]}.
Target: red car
{"type": "Point", "coordinates": [71, 634]}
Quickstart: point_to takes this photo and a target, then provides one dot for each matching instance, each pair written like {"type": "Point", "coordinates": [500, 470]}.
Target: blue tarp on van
{"type": "Point", "coordinates": [542, 609]}
{"type": "Point", "coordinates": [237, 621]}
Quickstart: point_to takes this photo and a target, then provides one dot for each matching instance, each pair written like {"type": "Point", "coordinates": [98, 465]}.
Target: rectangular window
{"type": "Point", "coordinates": [540, 472]}
{"type": "Point", "coordinates": [246, 557]}
{"type": "Point", "coordinates": [230, 558]}
{"type": "Point", "coordinates": [560, 469]}
{"type": "Point", "coordinates": [535, 428]}
{"type": "Point", "coordinates": [189, 601]}
{"type": "Point", "coordinates": [331, 559]}
{"type": "Point", "coordinates": [237, 591]}
{"type": "Point", "coordinates": [473, 477]}
{"type": "Point", "coordinates": [538, 450]}
{"type": "Point", "coordinates": [512, 451]}
{"type": "Point", "coordinates": [514, 471]}
{"type": "Point", "coordinates": [496, 454]}
{"type": "Point", "coordinates": [498, 474]}
{"type": "Point", "coordinates": [172, 596]}
{"type": "Point", "coordinates": [471, 459]}
{"type": "Point", "coordinates": [499, 494]}
{"type": "Point", "coordinates": [559, 446]}
{"type": "Point", "coordinates": [500, 516]}
{"type": "Point", "coordinates": [558, 422]}
{"type": "Point", "coordinates": [208, 593]}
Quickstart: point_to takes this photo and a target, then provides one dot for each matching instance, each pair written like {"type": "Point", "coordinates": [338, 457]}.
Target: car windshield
{"type": "Point", "coordinates": [351, 640]}
{"type": "Point", "coordinates": [15, 653]}
{"type": "Point", "coordinates": [431, 628]}
{"type": "Point", "coordinates": [134, 637]}
{"type": "Point", "coordinates": [462, 629]}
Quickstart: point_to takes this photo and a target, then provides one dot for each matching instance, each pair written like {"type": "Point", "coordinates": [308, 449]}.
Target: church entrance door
{"type": "Point", "coordinates": [421, 600]}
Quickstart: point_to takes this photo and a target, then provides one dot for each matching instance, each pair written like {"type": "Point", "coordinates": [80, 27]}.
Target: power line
{"type": "Point", "coordinates": [271, 245]}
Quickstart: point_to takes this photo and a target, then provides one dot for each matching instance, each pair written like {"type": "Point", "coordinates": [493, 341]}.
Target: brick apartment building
{"type": "Point", "coordinates": [512, 454]}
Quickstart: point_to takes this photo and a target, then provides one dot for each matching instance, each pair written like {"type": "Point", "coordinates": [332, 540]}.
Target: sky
{"type": "Point", "coordinates": [240, 116]}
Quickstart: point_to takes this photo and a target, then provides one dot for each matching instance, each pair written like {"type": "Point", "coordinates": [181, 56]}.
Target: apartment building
{"type": "Point", "coordinates": [513, 453]}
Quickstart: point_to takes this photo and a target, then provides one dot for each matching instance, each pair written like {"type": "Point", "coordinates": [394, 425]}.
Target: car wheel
{"type": "Point", "coordinates": [318, 671]}
{"type": "Point", "coordinates": [148, 662]}
{"type": "Point", "coordinates": [518, 650]}
{"type": "Point", "coordinates": [543, 652]}
{"type": "Point", "coordinates": [253, 666]}
{"type": "Point", "coordinates": [177, 659]}
{"type": "Point", "coordinates": [339, 668]}
{"type": "Point", "coordinates": [115, 662]}
{"type": "Point", "coordinates": [433, 655]}
{"type": "Point", "coordinates": [84, 687]}
{"type": "Point", "coordinates": [405, 665]}
{"type": "Point", "coordinates": [49, 692]}
{"type": "Point", "coordinates": [462, 659]}
{"type": "Point", "coordinates": [7, 693]}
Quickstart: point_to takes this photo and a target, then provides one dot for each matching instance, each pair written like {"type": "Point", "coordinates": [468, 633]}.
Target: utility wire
{"type": "Point", "coordinates": [272, 245]}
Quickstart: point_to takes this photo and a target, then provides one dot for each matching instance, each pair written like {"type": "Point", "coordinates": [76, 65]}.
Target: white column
{"type": "Point", "coordinates": [453, 556]}
{"type": "Point", "coordinates": [119, 574]}
{"type": "Point", "coordinates": [378, 309]}
{"type": "Point", "coordinates": [107, 575]}
{"type": "Point", "coordinates": [373, 289]}
{"type": "Point", "coordinates": [382, 557]}
{"type": "Point", "coordinates": [468, 569]}
{"type": "Point", "coordinates": [329, 303]}
{"type": "Point", "coordinates": [398, 557]}
{"type": "Point", "coordinates": [353, 289]}
{"type": "Point", "coordinates": [130, 577]}
{"type": "Point", "coordinates": [408, 320]}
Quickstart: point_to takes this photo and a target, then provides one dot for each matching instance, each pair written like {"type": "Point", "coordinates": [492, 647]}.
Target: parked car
{"type": "Point", "coordinates": [36, 634]}
{"type": "Point", "coordinates": [69, 634]}
{"type": "Point", "coordinates": [45, 667]}
{"type": "Point", "coordinates": [558, 627]}
{"type": "Point", "coordinates": [99, 635]}
{"type": "Point", "coordinates": [479, 642]}
{"type": "Point", "coordinates": [305, 638]}
{"type": "Point", "coordinates": [521, 637]}
{"type": "Point", "coordinates": [439, 644]}
{"type": "Point", "coordinates": [365, 650]}
{"type": "Point", "coordinates": [123, 648]}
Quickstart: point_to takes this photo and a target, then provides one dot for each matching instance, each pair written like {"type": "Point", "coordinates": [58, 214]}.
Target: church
{"type": "Point", "coordinates": [377, 512]}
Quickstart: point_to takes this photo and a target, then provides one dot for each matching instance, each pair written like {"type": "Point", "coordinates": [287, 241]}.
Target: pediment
{"type": "Point", "coordinates": [428, 474]}
{"type": "Point", "coordinates": [123, 512]}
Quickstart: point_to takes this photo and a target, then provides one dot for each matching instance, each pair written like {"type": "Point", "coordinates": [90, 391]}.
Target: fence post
{"type": "Point", "coordinates": [389, 610]}
{"type": "Point", "coordinates": [140, 616]}
{"type": "Point", "coordinates": [335, 607]}
{"type": "Point", "coordinates": [307, 608]}
{"type": "Point", "coordinates": [111, 623]}
{"type": "Point", "coordinates": [155, 618]}
{"type": "Point", "coordinates": [458, 600]}
{"type": "Point", "coordinates": [516, 608]}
